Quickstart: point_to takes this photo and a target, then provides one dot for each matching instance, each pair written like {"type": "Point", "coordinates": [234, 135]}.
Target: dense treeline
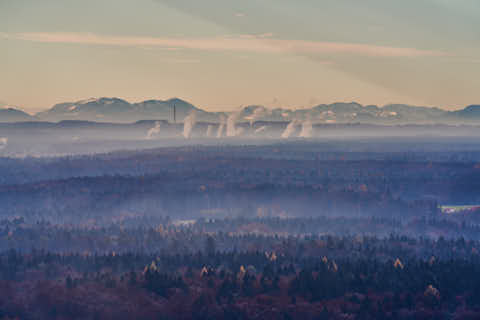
{"type": "Point", "coordinates": [144, 162]}
{"type": "Point", "coordinates": [209, 182]}
{"type": "Point", "coordinates": [247, 284]}
{"type": "Point", "coordinates": [302, 235]}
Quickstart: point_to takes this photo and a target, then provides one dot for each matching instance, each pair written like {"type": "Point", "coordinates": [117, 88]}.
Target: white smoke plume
{"type": "Point", "coordinates": [153, 131]}
{"type": "Point", "coordinates": [258, 113]}
{"type": "Point", "coordinates": [231, 124]}
{"type": "Point", "coordinates": [307, 129]}
{"type": "Point", "coordinates": [261, 129]}
{"type": "Point", "coordinates": [290, 129]}
{"type": "Point", "coordinates": [239, 131]}
{"type": "Point", "coordinates": [189, 124]}
{"type": "Point", "coordinates": [220, 130]}
{"type": "Point", "coordinates": [221, 126]}
{"type": "Point", "coordinates": [209, 131]}
{"type": "Point", "coordinates": [3, 143]}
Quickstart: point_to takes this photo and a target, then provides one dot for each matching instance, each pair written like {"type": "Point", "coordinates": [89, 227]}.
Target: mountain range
{"type": "Point", "coordinates": [11, 114]}
{"type": "Point", "coordinates": [120, 111]}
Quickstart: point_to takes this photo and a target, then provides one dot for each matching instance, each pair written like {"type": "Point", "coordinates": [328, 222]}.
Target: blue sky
{"type": "Point", "coordinates": [219, 54]}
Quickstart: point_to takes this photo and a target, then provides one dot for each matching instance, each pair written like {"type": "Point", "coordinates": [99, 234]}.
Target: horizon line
{"type": "Point", "coordinates": [20, 108]}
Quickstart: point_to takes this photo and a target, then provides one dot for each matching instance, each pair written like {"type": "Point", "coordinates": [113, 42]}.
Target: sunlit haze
{"type": "Point", "coordinates": [219, 54]}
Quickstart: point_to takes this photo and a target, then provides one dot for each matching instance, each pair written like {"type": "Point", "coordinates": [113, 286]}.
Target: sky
{"type": "Point", "coordinates": [220, 54]}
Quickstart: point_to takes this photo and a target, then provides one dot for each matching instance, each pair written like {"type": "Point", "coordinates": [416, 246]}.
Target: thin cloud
{"type": "Point", "coordinates": [256, 43]}
{"type": "Point", "coordinates": [183, 61]}
{"type": "Point", "coordinates": [266, 35]}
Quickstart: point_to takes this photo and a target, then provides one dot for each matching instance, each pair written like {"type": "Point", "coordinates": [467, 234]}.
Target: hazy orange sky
{"type": "Point", "coordinates": [219, 54]}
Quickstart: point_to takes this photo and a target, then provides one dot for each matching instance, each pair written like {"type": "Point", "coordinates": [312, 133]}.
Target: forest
{"type": "Point", "coordinates": [192, 272]}
{"type": "Point", "coordinates": [286, 230]}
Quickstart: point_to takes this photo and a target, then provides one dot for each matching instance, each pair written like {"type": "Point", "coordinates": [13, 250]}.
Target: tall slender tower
{"type": "Point", "coordinates": [174, 113]}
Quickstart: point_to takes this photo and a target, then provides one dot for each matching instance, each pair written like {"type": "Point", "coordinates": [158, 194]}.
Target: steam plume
{"type": "Point", "coordinates": [261, 129]}
{"type": "Point", "coordinates": [290, 129]}
{"type": "Point", "coordinates": [153, 131]}
{"type": "Point", "coordinates": [307, 129]}
{"type": "Point", "coordinates": [189, 123]}
{"type": "Point", "coordinates": [221, 126]}
{"type": "Point", "coordinates": [3, 143]}
{"type": "Point", "coordinates": [231, 122]}
{"type": "Point", "coordinates": [239, 131]}
{"type": "Point", "coordinates": [209, 130]}
{"type": "Point", "coordinates": [257, 114]}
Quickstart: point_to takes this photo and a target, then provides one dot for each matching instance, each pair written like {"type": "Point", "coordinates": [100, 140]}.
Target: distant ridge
{"type": "Point", "coordinates": [10, 114]}
{"type": "Point", "coordinates": [116, 110]}
{"type": "Point", "coordinates": [470, 112]}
